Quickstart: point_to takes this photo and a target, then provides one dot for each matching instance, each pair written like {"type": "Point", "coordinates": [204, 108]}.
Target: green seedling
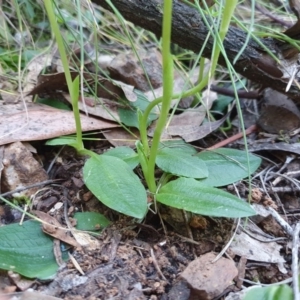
{"type": "Point", "coordinates": [187, 180]}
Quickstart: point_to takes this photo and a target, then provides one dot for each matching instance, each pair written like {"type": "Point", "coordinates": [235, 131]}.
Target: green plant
{"type": "Point", "coordinates": [272, 292]}
{"type": "Point", "coordinates": [188, 179]}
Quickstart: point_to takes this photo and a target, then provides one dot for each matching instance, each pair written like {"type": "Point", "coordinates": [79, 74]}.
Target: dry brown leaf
{"type": "Point", "coordinates": [295, 7]}
{"type": "Point", "coordinates": [54, 228]}
{"type": "Point", "coordinates": [263, 250]}
{"type": "Point", "coordinates": [127, 68]}
{"type": "Point", "coordinates": [165, 134]}
{"type": "Point", "coordinates": [187, 123]}
{"type": "Point", "coordinates": [181, 83]}
{"type": "Point", "coordinates": [280, 113]}
{"type": "Point", "coordinates": [120, 137]}
{"type": "Point", "coordinates": [103, 108]}
{"type": "Point", "coordinates": [21, 282]}
{"type": "Point", "coordinates": [293, 148]}
{"type": "Point", "coordinates": [34, 68]}
{"type": "Point", "coordinates": [43, 122]}
{"type": "Point", "coordinates": [199, 132]}
{"type": "Point", "coordinates": [49, 84]}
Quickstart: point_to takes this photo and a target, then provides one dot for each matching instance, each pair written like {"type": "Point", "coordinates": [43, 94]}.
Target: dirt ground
{"type": "Point", "coordinates": [146, 260]}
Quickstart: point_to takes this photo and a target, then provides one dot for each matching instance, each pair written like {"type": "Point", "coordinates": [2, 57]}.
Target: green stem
{"type": "Point", "coordinates": [168, 75]}
{"type": "Point", "coordinates": [168, 82]}
{"type": "Point", "coordinates": [73, 86]}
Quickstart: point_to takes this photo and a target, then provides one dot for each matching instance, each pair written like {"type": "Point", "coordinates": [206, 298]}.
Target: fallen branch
{"type": "Point", "coordinates": [190, 32]}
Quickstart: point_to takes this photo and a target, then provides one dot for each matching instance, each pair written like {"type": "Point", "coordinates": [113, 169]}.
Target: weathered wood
{"type": "Point", "coordinates": [189, 31]}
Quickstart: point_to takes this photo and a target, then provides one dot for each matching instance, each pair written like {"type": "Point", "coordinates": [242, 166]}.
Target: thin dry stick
{"type": "Point", "coordinates": [286, 281]}
{"type": "Point", "coordinates": [229, 242]}
{"type": "Point", "coordinates": [233, 138]}
{"type": "Point", "coordinates": [156, 265]}
{"type": "Point", "coordinates": [295, 268]}
{"type": "Point", "coordinates": [29, 187]}
{"type": "Point", "coordinates": [281, 221]}
{"type": "Point", "coordinates": [279, 189]}
{"type": "Point", "coordinates": [234, 234]}
{"type": "Point", "coordinates": [76, 264]}
{"type": "Point", "coordinates": [188, 228]}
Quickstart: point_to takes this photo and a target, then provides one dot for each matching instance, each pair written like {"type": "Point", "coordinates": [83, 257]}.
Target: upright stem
{"type": "Point", "coordinates": [168, 82]}
{"type": "Point", "coordinates": [73, 86]}
{"type": "Point", "coordinates": [167, 90]}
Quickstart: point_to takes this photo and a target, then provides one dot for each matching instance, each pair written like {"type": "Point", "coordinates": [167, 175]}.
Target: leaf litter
{"type": "Point", "coordinates": [116, 263]}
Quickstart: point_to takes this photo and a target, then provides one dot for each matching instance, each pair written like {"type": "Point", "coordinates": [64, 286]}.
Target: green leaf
{"type": "Point", "coordinates": [129, 116]}
{"type": "Point", "coordinates": [181, 163]}
{"type": "Point", "coordinates": [25, 249]}
{"type": "Point", "coordinates": [90, 221]}
{"type": "Point", "coordinates": [278, 292]}
{"type": "Point", "coordinates": [64, 140]}
{"type": "Point", "coordinates": [226, 166]}
{"type": "Point", "coordinates": [189, 194]}
{"type": "Point", "coordinates": [223, 101]}
{"type": "Point", "coordinates": [125, 153]}
{"type": "Point", "coordinates": [54, 103]}
{"type": "Point", "coordinates": [112, 181]}
{"type": "Point", "coordinates": [179, 144]}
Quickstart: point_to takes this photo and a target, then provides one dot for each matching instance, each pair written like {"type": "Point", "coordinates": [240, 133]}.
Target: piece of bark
{"type": "Point", "coordinates": [190, 32]}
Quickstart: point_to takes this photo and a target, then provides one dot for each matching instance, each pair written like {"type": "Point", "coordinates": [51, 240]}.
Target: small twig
{"type": "Point", "coordinates": [273, 17]}
{"type": "Point", "coordinates": [46, 182]}
{"type": "Point", "coordinates": [76, 264]}
{"type": "Point", "coordinates": [57, 252]}
{"type": "Point", "coordinates": [284, 166]}
{"type": "Point", "coordinates": [188, 228]}
{"type": "Point", "coordinates": [68, 223]}
{"type": "Point", "coordinates": [162, 223]}
{"type": "Point", "coordinates": [287, 228]}
{"type": "Point", "coordinates": [294, 181]}
{"type": "Point", "coordinates": [241, 94]}
{"type": "Point", "coordinates": [288, 280]}
{"type": "Point", "coordinates": [23, 214]}
{"type": "Point", "coordinates": [156, 265]}
{"type": "Point", "coordinates": [54, 160]}
{"type": "Point", "coordinates": [295, 262]}
{"type": "Point", "coordinates": [185, 239]}
{"type": "Point", "coordinates": [288, 174]}
{"type": "Point", "coordinates": [262, 240]}
{"type": "Point", "coordinates": [263, 185]}
{"type": "Point", "coordinates": [233, 138]}
{"type": "Point", "coordinates": [280, 189]}
{"type": "Point", "coordinates": [234, 233]}
{"type": "Point", "coordinates": [229, 242]}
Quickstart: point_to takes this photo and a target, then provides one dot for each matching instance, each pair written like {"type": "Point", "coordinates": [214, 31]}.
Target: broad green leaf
{"type": "Point", "coordinates": [64, 140]}
{"type": "Point", "coordinates": [179, 144]}
{"type": "Point", "coordinates": [181, 163]}
{"type": "Point", "coordinates": [125, 153]}
{"type": "Point", "coordinates": [129, 116]}
{"type": "Point", "coordinates": [226, 166]}
{"type": "Point", "coordinates": [53, 103]}
{"type": "Point", "coordinates": [278, 292]}
{"type": "Point", "coordinates": [90, 221]}
{"type": "Point", "coordinates": [112, 181]}
{"type": "Point", "coordinates": [25, 249]}
{"type": "Point", "coordinates": [223, 101]}
{"type": "Point", "coordinates": [189, 194]}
